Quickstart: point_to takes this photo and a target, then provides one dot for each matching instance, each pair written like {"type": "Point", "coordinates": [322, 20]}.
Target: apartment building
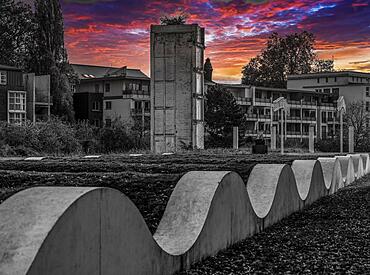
{"type": "Point", "coordinates": [108, 93]}
{"type": "Point", "coordinates": [306, 108]}
{"type": "Point", "coordinates": [354, 86]}
{"type": "Point", "coordinates": [23, 96]}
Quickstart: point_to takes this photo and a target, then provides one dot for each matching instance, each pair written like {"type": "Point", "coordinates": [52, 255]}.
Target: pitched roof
{"type": "Point", "coordinates": [93, 72]}
{"type": "Point", "coordinates": [9, 68]}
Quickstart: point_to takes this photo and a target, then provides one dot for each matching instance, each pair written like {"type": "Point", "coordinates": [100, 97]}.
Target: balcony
{"type": "Point", "coordinates": [263, 100]}
{"type": "Point", "coordinates": [136, 93]}
{"type": "Point", "coordinates": [136, 112]}
{"type": "Point", "coordinates": [251, 116]}
{"type": "Point", "coordinates": [296, 118]}
{"type": "Point", "coordinates": [243, 100]}
{"type": "Point", "coordinates": [294, 102]}
{"type": "Point", "coordinates": [264, 117]}
{"type": "Point", "coordinates": [309, 118]}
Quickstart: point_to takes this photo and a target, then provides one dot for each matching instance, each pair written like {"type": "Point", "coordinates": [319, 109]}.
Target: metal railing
{"type": "Point", "coordinates": [263, 100]}
{"type": "Point", "coordinates": [135, 92]}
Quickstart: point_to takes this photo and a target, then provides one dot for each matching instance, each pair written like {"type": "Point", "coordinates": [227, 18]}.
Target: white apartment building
{"type": "Point", "coordinates": [354, 86]}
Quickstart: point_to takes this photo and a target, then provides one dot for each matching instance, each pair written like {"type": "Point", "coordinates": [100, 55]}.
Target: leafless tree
{"type": "Point", "coordinates": [357, 116]}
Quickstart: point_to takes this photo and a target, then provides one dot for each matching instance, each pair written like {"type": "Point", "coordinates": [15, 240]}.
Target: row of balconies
{"type": "Point", "coordinates": [296, 102]}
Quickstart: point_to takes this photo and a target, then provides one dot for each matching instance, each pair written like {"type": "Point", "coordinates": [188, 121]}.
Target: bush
{"type": "Point", "coordinates": [330, 145]}
{"type": "Point", "coordinates": [57, 137]}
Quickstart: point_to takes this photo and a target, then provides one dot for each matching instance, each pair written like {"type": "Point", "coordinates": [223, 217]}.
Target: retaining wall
{"type": "Point", "coordinates": [67, 230]}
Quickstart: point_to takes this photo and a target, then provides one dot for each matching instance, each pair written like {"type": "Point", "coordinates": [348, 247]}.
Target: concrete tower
{"type": "Point", "coordinates": [177, 87]}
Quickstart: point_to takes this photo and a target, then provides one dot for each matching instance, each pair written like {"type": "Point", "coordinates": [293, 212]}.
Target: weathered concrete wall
{"type": "Point", "coordinates": [63, 230]}
{"type": "Point", "coordinates": [177, 83]}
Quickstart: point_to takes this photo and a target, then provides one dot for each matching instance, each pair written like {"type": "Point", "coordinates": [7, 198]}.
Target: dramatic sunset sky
{"type": "Point", "coordinates": [116, 32]}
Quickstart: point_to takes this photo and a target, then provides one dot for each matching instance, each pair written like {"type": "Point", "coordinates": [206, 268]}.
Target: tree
{"type": "Point", "coordinates": [291, 54]}
{"type": "Point", "coordinates": [49, 55]}
{"type": "Point", "coordinates": [16, 32]}
{"type": "Point", "coordinates": [357, 116]}
{"type": "Point", "coordinates": [208, 70]}
{"type": "Point", "coordinates": [222, 113]}
{"type": "Point", "coordinates": [322, 65]}
{"type": "Point", "coordinates": [179, 18]}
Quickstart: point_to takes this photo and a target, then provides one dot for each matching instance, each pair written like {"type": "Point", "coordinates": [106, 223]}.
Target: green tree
{"type": "Point", "coordinates": [49, 56]}
{"type": "Point", "coordinates": [222, 113]}
{"type": "Point", "coordinates": [16, 32]}
{"type": "Point", "coordinates": [283, 55]}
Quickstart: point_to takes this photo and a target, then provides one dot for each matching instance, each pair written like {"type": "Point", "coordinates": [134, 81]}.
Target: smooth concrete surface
{"type": "Point", "coordinates": [366, 162]}
{"type": "Point", "coordinates": [332, 174]}
{"type": "Point", "coordinates": [348, 171]}
{"type": "Point", "coordinates": [235, 137]}
{"type": "Point", "coordinates": [72, 230]}
{"type": "Point", "coordinates": [310, 180]}
{"type": "Point", "coordinates": [351, 138]}
{"type": "Point", "coordinates": [357, 165]}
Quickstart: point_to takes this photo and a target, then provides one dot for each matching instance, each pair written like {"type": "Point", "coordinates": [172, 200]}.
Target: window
{"type": "Point", "coordinates": [107, 87]}
{"type": "Point", "coordinates": [96, 88]}
{"type": "Point", "coordinates": [368, 91]}
{"type": "Point", "coordinates": [327, 91]}
{"type": "Point", "coordinates": [327, 79]}
{"type": "Point", "coordinates": [96, 122]}
{"type": "Point", "coordinates": [335, 79]}
{"type": "Point", "coordinates": [136, 86]}
{"type": "Point", "coordinates": [367, 106]}
{"type": "Point", "coordinates": [335, 91]}
{"type": "Point", "coordinates": [147, 106]}
{"type": "Point", "coordinates": [318, 80]}
{"type": "Point", "coordinates": [17, 118]}
{"type": "Point", "coordinates": [146, 88]}
{"type": "Point", "coordinates": [129, 86]}
{"type": "Point", "coordinates": [17, 101]}
{"type": "Point", "coordinates": [138, 105]}
{"type": "Point", "coordinates": [3, 78]}
{"type": "Point", "coordinates": [108, 105]}
{"type": "Point", "coordinates": [96, 106]}
{"type": "Point", "coordinates": [108, 122]}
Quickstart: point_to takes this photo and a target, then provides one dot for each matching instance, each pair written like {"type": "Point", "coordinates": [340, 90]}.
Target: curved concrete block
{"type": "Point", "coordinates": [207, 212]}
{"type": "Point", "coordinates": [71, 230]}
{"type": "Point", "coordinates": [348, 172]}
{"type": "Point", "coordinates": [273, 192]}
{"type": "Point", "coordinates": [332, 174]}
{"type": "Point", "coordinates": [310, 180]}
{"type": "Point", "coordinates": [357, 165]}
{"type": "Point", "coordinates": [366, 163]}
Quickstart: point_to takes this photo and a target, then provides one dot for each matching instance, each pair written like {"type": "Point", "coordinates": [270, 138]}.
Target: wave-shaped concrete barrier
{"type": "Point", "coordinates": [72, 230]}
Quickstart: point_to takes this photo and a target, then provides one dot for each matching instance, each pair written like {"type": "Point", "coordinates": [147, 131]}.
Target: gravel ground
{"type": "Point", "coordinates": [330, 237]}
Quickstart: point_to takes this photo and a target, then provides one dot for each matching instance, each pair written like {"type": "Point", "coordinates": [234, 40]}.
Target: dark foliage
{"type": "Point", "coordinates": [282, 56]}
{"type": "Point", "coordinates": [222, 113]}
{"type": "Point", "coordinates": [16, 33]}
{"type": "Point", "coordinates": [49, 56]}
{"type": "Point", "coordinates": [177, 19]}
